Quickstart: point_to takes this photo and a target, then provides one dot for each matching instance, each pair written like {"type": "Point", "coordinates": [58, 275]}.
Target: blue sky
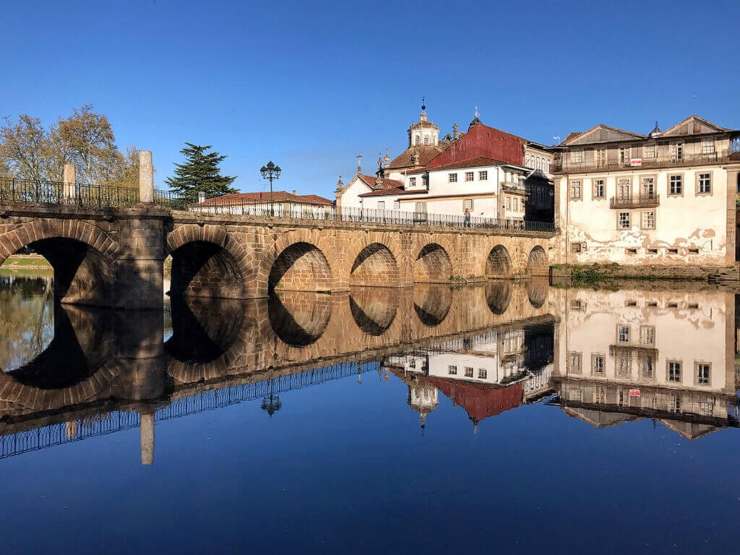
{"type": "Point", "coordinates": [311, 84]}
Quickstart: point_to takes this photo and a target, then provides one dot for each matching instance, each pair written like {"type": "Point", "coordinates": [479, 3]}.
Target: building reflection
{"type": "Point", "coordinates": [605, 357]}
{"type": "Point", "coordinates": [484, 374]}
{"type": "Point", "coordinates": [664, 355]}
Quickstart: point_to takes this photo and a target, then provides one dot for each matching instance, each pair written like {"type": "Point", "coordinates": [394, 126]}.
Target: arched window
{"type": "Point", "coordinates": [416, 139]}
{"type": "Point", "coordinates": [426, 139]}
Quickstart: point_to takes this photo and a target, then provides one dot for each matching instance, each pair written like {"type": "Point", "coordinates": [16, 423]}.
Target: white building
{"type": "Point", "coordinates": [665, 199]}
{"type": "Point", "coordinates": [486, 173]}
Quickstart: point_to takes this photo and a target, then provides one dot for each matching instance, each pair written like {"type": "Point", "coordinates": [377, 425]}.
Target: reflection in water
{"type": "Point", "coordinates": [299, 319]}
{"type": "Point", "coordinates": [27, 322]}
{"type": "Point", "coordinates": [432, 303]}
{"type": "Point", "coordinates": [605, 357]}
{"type": "Point", "coordinates": [374, 309]}
{"type": "Point", "coordinates": [498, 295]}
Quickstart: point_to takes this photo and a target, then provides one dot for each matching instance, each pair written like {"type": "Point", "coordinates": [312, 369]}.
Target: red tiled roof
{"type": "Point", "coordinates": [391, 191]}
{"type": "Point", "coordinates": [425, 152]}
{"type": "Point", "coordinates": [277, 196]}
{"type": "Point", "coordinates": [384, 188]}
{"type": "Point", "coordinates": [472, 163]}
{"type": "Point", "coordinates": [482, 141]}
{"type": "Point", "coordinates": [479, 400]}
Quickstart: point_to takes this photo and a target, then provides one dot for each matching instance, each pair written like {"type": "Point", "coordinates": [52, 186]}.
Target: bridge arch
{"type": "Point", "coordinates": [498, 296]}
{"type": "Point", "coordinates": [498, 263]}
{"type": "Point", "coordinates": [301, 266]}
{"type": "Point", "coordinates": [537, 291]}
{"type": "Point", "coordinates": [432, 265]}
{"type": "Point", "coordinates": [374, 311]}
{"type": "Point", "coordinates": [432, 304]}
{"type": "Point", "coordinates": [207, 263]}
{"type": "Point", "coordinates": [374, 266]}
{"type": "Point", "coordinates": [537, 262]}
{"type": "Point", "coordinates": [81, 254]}
{"type": "Point", "coordinates": [299, 319]}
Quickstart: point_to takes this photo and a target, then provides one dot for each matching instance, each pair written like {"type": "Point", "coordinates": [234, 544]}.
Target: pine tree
{"type": "Point", "coordinates": [200, 173]}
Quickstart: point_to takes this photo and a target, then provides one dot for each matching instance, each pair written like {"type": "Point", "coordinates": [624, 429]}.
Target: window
{"type": "Point", "coordinates": [647, 335]}
{"type": "Point", "coordinates": [426, 140]}
{"type": "Point", "coordinates": [396, 205]}
{"type": "Point", "coordinates": [381, 205]}
{"type": "Point", "coordinates": [675, 184]}
{"type": "Point", "coordinates": [598, 365]}
{"type": "Point", "coordinates": [516, 204]}
{"type": "Point", "coordinates": [703, 373]}
{"type": "Point", "coordinates": [412, 363]}
{"type": "Point", "coordinates": [704, 183]}
{"type": "Point", "coordinates": [707, 146]}
{"type": "Point", "coordinates": [647, 187]}
{"type": "Point", "coordinates": [425, 181]}
{"type": "Point", "coordinates": [412, 182]}
{"type": "Point", "coordinates": [648, 151]}
{"type": "Point", "coordinates": [623, 334]}
{"type": "Point", "coordinates": [599, 189]}
{"type": "Point", "coordinates": [574, 363]}
{"type": "Point", "coordinates": [575, 189]}
{"type": "Point", "coordinates": [674, 371]}
{"type": "Point", "coordinates": [416, 139]}
{"type": "Point", "coordinates": [468, 204]}
{"type": "Point", "coordinates": [601, 157]}
{"type": "Point", "coordinates": [677, 152]}
{"type": "Point", "coordinates": [420, 208]}
{"type": "Point", "coordinates": [469, 176]}
{"type": "Point", "coordinates": [452, 370]}
{"type": "Point", "coordinates": [482, 374]}
{"type": "Point", "coordinates": [624, 154]}
{"type": "Point", "coordinates": [624, 188]}
{"type": "Point", "coordinates": [624, 365]}
{"type": "Point", "coordinates": [647, 367]}
{"type": "Point", "coordinates": [577, 248]}
{"type": "Point", "coordinates": [623, 220]}
{"type": "Point", "coordinates": [630, 251]}
{"type": "Point", "coordinates": [508, 203]}
{"type": "Point", "coordinates": [647, 220]}
{"type": "Point", "coordinates": [483, 175]}
{"type": "Point", "coordinates": [576, 156]}
{"type": "Point", "coordinates": [452, 178]}
{"type": "Point", "coordinates": [468, 372]}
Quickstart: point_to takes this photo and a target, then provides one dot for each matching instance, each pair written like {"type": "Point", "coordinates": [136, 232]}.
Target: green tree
{"type": "Point", "coordinates": [25, 148]}
{"type": "Point", "coordinates": [200, 174]}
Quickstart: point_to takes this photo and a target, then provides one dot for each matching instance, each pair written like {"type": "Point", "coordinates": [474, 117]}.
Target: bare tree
{"type": "Point", "coordinates": [25, 148]}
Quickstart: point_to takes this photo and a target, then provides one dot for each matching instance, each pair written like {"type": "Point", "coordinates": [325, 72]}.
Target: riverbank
{"type": "Point", "coordinates": [26, 262]}
{"type": "Point", "coordinates": [604, 273]}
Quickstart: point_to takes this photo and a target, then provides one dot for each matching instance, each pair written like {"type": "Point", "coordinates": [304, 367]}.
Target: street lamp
{"type": "Point", "coordinates": [270, 172]}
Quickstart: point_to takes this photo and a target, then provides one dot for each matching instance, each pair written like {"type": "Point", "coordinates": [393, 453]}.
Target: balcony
{"type": "Point", "coordinates": [567, 166]}
{"type": "Point", "coordinates": [647, 201]}
{"type": "Point", "coordinates": [625, 349]}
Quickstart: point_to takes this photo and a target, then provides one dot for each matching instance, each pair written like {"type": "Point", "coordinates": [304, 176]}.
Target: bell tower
{"type": "Point", "coordinates": [423, 132]}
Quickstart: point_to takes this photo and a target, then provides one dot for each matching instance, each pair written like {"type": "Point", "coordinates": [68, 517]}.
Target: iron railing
{"type": "Point", "coordinates": [103, 196]}
{"type": "Point", "coordinates": [647, 201]}
{"type": "Point", "coordinates": [294, 211]}
{"type": "Point", "coordinates": [26, 191]}
{"type": "Point", "coordinates": [661, 161]}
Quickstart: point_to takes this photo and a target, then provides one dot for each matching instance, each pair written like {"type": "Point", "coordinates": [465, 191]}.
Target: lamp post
{"type": "Point", "coordinates": [270, 172]}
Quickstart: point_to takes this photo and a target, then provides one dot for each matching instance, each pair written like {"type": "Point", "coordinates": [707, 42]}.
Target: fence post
{"type": "Point", "coordinates": [146, 177]}
{"type": "Point", "coordinates": [69, 179]}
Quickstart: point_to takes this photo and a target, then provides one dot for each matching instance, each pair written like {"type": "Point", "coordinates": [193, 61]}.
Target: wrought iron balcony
{"type": "Point", "coordinates": [567, 166]}
{"type": "Point", "coordinates": [646, 201]}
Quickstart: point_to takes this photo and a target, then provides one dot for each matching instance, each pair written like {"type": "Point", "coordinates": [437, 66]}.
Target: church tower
{"type": "Point", "coordinates": [423, 132]}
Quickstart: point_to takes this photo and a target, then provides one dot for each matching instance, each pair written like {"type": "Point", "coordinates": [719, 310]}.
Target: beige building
{"type": "Point", "coordinates": [666, 198]}
{"type": "Point", "coordinates": [664, 354]}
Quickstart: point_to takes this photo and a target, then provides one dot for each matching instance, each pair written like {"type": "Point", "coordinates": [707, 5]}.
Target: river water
{"type": "Point", "coordinates": [506, 418]}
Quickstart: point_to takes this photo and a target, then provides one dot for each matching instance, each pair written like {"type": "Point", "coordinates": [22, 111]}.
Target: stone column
{"type": "Point", "coordinates": [69, 181]}
{"type": "Point", "coordinates": [146, 437]}
{"type": "Point", "coordinates": [146, 177]}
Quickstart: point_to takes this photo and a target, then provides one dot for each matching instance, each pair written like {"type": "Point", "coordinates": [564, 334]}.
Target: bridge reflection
{"type": "Point", "coordinates": [602, 356]}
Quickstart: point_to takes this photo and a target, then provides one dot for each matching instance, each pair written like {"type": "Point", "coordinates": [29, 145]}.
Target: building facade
{"type": "Point", "coordinates": [664, 199]}
{"type": "Point", "coordinates": [483, 173]}
{"type": "Point", "coordinates": [280, 203]}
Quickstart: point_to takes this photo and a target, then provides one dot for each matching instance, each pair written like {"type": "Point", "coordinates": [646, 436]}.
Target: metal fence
{"type": "Point", "coordinates": [104, 196]}
{"type": "Point", "coordinates": [362, 215]}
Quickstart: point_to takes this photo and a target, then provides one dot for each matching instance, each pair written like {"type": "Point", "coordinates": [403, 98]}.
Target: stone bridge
{"type": "Point", "coordinates": [115, 257]}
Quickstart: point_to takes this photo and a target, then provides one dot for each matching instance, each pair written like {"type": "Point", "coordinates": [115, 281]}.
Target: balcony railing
{"type": "Point", "coordinates": [647, 201]}
{"type": "Point", "coordinates": [567, 166]}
